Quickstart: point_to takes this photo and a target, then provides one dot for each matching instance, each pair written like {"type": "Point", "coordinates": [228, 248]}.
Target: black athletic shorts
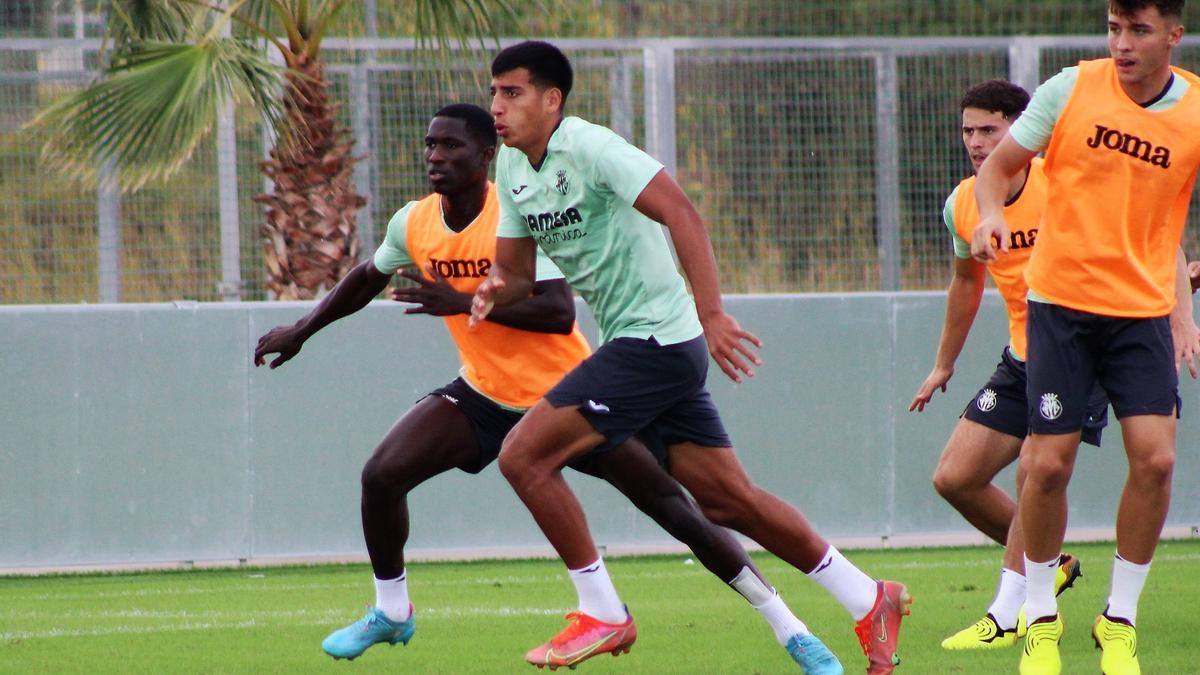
{"type": "Point", "coordinates": [1001, 403]}
{"type": "Point", "coordinates": [491, 423]}
{"type": "Point", "coordinates": [1070, 352]}
{"type": "Point", "coordinates": [630, 385]}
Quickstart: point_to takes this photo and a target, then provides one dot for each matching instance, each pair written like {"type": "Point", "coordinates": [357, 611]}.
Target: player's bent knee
{"type": "Point", "coordinates": [512, 464]}
{"type": "Point", "coordinates": [1048, 473]}
{"type": "Point", "coordinates": [950, 486]}
{"type": "Point", "coordinates": [379, 476]}
{"type": "Point", "coordinates": [1155, 469]}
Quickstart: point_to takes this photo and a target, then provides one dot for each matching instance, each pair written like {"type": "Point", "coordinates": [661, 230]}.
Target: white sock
{"type": "Point", "coordinates": [768, 603]}
{"type": "Point", "coordinates": [845, 582]}
{"type": "Point", "coordinates": [1039, 589]}
{"type": "Point", "coordinates": [1127, 581]}
{"type": "Point", "coordinates": [1010, 595]}
{"type": "Point", "coordinates": [597, 596]}
{"type": "Point", "coordinates": [391, 597]}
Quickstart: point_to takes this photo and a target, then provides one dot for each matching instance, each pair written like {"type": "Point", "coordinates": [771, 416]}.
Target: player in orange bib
{"type": "Point", "coordinates": [992, 427]}
{"type": "Point", "coordinates": [508, 362]}
{"type": "Point", "coordinates": [1122, 142]}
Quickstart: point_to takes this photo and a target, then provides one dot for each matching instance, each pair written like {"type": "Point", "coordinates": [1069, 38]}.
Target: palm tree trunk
{"type": "Point", "coordinates": [310, 235]}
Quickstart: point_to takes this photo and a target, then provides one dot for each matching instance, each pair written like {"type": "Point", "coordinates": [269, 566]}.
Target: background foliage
{"type": "Point", "coordinates": [778, 152]}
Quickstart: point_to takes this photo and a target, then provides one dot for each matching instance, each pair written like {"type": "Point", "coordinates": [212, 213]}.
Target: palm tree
{"type": "Point", "coordinates": [173, 65]}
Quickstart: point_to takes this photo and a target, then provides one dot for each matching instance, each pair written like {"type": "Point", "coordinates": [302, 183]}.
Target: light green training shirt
{"type": "Point", "coordinates": [962, 247]}
{"type": "Point", "coordinates": [578, 206]}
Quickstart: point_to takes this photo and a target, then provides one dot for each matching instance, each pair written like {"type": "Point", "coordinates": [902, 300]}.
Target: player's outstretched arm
{"type": "Point", "coordinates": [550, 308]}
{"type": "Point", "coordinates": [511, 279]}
{"type": "Point", "coordinates": [664, 201]}
{"type": "Point", "coordinates": [1183, 323]}
{"type": "Point", "coordinates": [962, 304]}
{"type": "Point", "coordinates": [991, 191]}
{"type": "Point", "coordinates": [350, 294]}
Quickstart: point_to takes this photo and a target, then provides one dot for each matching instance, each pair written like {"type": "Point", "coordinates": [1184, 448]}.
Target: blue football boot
{"type": "Point", "coordinates": [813, 656]}
{"type": "Point", "coordinates": [350, 642]}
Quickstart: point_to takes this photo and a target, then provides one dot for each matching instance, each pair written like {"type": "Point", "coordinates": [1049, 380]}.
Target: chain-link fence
{"type": "Point", "coordinates": [819, 164]}
{"type": "Point", "coordinates": [661, 18]}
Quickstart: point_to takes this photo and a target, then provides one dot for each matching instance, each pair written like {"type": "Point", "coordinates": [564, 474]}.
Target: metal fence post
{"type": "Point", "coordinates": [1024, 63]}
{"type": "Point", "coordinates": [361, 126]}
{"type": "Point", "coordinates": [230, 286]}
{"type": "Point", "coordinates": [108, 234]}
{"type": "Point", "coordinates": [887, 171]}
{"type": "Point", "coordinates": [364, 171]}
{"type": "Point", "coordinates": [620, 85]}
{"type": "Point", "coordinates": [660, 103]}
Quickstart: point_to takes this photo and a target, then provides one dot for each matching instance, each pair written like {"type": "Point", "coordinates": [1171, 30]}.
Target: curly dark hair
{"type": "Point", "coordinates": [999, 96]}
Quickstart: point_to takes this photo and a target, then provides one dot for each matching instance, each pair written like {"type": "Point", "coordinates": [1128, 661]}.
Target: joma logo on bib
{"type": "Point", "coordinates": [1128, 144]}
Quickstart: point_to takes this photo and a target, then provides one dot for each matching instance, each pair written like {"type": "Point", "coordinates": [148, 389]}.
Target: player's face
{"type": "Point", "coordinates": [454, 160]}
{"type": "Point", "coordinates": [1141, 44]}
{"type": "Point", "coordinates": [982, 131]}
{"type": "Point", "coordinates": [524, 114]}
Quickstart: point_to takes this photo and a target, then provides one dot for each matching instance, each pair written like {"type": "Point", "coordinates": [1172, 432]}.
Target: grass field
{"type": "Point", "coordinates": [479, 617]}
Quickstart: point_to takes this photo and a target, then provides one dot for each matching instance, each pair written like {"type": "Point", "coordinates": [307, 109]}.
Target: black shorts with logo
{"type": "Point", "coordinates": [1071, 352]}
{"type": "Point", "coordinates": [633, 385]}
{"type": "Point", "coordinates": [491, 423]}
{"type": "Point", "coordinates": [1002, 405]}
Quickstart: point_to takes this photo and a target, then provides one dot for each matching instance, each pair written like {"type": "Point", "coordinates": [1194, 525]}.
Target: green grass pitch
{"type": "Point", "coordinates": [480, 617]}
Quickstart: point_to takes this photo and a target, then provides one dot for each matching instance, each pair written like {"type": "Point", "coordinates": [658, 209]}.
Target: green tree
{"type": "Point", "coordinates": [172, 65]}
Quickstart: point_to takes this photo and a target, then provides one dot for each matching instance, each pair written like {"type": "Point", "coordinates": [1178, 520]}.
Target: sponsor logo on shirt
{"type": "Point", "coordinates": [519, 189]}
{"type": "Point", "coordinates": [1018, 239]}
{"type": "Point", "coordinates": [551, 220]}
{"type": "Point", "coordinates": [1128, 144]}
{"type": "Point", "coordinates": [452, 269]}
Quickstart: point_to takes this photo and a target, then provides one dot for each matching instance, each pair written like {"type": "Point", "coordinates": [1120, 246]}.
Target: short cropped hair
{"type": "Point", "coordinates": [480, 123]}
{"type": "Point", "coordinates": [547, 65]}
{"type": "Point", "coordinates": [999, 96]}
{"type": "Point", "coordinates": [1167, 8]}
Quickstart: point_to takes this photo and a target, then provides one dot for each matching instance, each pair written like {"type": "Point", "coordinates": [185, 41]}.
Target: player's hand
{"type": "Point", "coordinates": [283, 340]}
{"type": "Point", "coordinates": [1194, 274]}
{"type": "Point", "coordinates": [1187, 345]}
{"type": "Point", "coordinates": [727, 344]}
{"type": "Point", "coordinates": [937, 379]}
{"type": "Point", "coordinates": [989, 239]}
{"type": "Point", "coordinates": [433, 295]}
{"type": "Point", "coordinates": [484, 300]}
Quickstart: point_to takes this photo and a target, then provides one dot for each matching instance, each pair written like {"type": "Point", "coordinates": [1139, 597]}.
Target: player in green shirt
{"type": "Point", "coordinates": [594, 204]}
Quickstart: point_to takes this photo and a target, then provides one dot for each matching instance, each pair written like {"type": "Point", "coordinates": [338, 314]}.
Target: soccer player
{"type": "Point", "coordinates": [990, 432]}
{"type": "Point", "coordinates": [507, 364]}
{"type": "Point", "coordinates": [1122, 142]}
{"type": "Point", "coordinates": [594, 204]}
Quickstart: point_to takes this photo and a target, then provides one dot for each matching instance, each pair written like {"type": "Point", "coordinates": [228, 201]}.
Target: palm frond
{"type": "Point", "coordinates": [132, 21]}
{"type": "Point", "coordinates": [444, 22]}
{"type": "Point", "coordinates": [153, 109]}
{"type": "Point", "coordinates": [263, 13]}
{"type": "Point", "coordinates": [440, 25]}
